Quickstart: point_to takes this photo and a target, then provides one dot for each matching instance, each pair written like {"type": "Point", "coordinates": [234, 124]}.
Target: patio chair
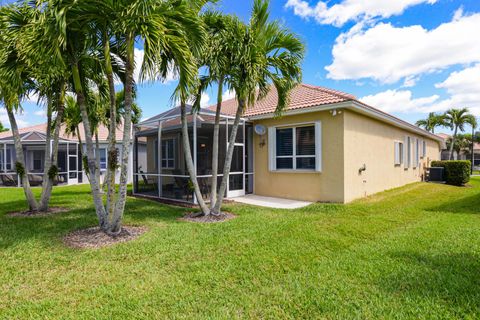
{"type": "Point", "coordinates": [8, 180]}
{"type": "Point", "coordinates": [35, 179]}
{"type": "Point", "coordinates": [148, 183]}
{"type": "Point", "coordinates": [181, 185]}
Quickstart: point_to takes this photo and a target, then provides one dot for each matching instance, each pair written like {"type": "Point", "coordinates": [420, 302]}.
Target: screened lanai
{"type": "Point", "coordinates": [160, 172]}
{"type": "Point", "coordinates": [33, 144]}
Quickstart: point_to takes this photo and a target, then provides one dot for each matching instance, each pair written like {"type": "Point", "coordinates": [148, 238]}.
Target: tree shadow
{"type": "Point", "coordinates": [469, 204]}
{"type": "Point", "coordinates": [51, 228]}
{"type": "Point", "coordinates": [450, 278]}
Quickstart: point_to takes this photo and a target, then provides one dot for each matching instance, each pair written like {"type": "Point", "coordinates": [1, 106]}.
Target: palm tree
{"type": "Point", "coordinates": [431, 122]}
{"type": "Point", "coordinates": [216, 56]}
{"type": "Point", "coordinates": [456, 119]}
{"type": "Point", "coordinates": [269, 55]}
{"type": "Point", "coordinates": [264, 54]}
{"type": "Point", "coordinates": [23, 71]}
{"type": "Point", "coordinates": [165, 28]}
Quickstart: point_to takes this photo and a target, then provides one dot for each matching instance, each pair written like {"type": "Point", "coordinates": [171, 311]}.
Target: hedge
{"type": "Point", "coordinates": [457, 172]}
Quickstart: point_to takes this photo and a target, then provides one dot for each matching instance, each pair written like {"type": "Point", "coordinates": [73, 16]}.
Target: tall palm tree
{"type": "Point", "coordinates": [216, 57]}
{"type": "Point", "coordinates": [456, 119]}
{"type": "Point", "coordinates": [165, 28]}
{"type": "Point", "coordinates": [22, 71]}
{"type": "Point", "coordinates": [431, 122]}
{"type": "Point", "coordinates": [265, 54]}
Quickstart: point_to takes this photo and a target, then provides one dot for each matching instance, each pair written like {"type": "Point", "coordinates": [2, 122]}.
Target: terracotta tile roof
{"type": "Point", "coordinates": [42, 128]}
{"type": "Point", "coordinates": [302, 96]}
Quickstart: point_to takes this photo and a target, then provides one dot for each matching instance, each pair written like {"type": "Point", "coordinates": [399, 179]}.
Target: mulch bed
{"type": "Point", "coordinates": [191, 217]}
{"type": "Point", "coordinates": [28, 213]}
{"type": "Point", "coordinates": [95, 238]}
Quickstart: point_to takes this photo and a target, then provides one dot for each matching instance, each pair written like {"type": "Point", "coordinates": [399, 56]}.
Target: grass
{"type": "Point", "coordinates": [409, 253]}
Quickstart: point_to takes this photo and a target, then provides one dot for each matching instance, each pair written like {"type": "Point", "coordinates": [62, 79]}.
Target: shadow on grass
{"type": "Point", "coordinates": [50, 228]}
{"type": "Point", "coordinates": [452, 278]}
{"type": "Point", "coordinates": [470, 204]}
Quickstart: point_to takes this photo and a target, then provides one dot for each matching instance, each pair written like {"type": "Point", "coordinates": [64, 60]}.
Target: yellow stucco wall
{"type": "Point", "coordinates": [326, 185]}
{"type": "Point", "coordinates": [371, 142]}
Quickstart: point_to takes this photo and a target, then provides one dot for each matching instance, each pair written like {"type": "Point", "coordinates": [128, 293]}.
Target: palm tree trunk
{"type": "Point", "coordinates": [97, 161]}
{"type": "Point", "coordinates": [48, 154]}
{"type": "Point", "coordinates": [94, 183]}
{"type": "Point", "coordinates": [228, 158]}
{"type": "Point", "coordinates": [47, 180]}
{"type": "Point", "coordinates": [112, 152]}
{"type": "Point", "coordinates": [189, 161]}
{"type": "Point", "coordinates": [216, 131]}
{"type": "Point", "coordinates": [115, 225]}
{"type": "Point", "coordinates": [454, 137]}
{"type": "Point", "coordinates": [32, 202]}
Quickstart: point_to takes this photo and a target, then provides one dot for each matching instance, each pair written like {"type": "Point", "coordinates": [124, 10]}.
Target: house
{"type": "Point", "coordinates": [327, 147]}
{"type": "Point", "coordinates": [70, 166]}
{"type": "Point", "coordinates": [463, 154]}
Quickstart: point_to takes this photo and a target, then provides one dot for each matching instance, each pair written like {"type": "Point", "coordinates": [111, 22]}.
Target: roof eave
{"type": "Point", "coordinates": [358, 107]}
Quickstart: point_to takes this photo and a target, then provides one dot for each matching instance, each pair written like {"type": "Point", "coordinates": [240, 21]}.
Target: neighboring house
{"type": "Point", "coordinates": [464, 155]}
{"type": "Point", "coordinates": [70, 165]}
{"type": "Point", "coordinates": [327, 147]}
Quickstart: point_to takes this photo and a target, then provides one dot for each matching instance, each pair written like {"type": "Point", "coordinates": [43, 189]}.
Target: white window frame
{"type": "Point", "coordinates": [167, 157]}
{"type": "Point", "coordinates": [398, 153]}
{"type": "Point", "coordinates": [272, 146]}
{"type": "Point", "coordinates": [416, 152]}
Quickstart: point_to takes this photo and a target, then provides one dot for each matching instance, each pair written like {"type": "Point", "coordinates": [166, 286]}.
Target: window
{"type": "Point", "coordinates": [37, 160]}
{"type": "Point", "coordinates": [103, 159]}
{"type": "Point", "coordinates": [295, 148]}
{"type": "Point", "coordinates": [408, 152]}
{"type": "Point", "coordinates": [424, 148]}
{"type": "Point", "coordinates": [398, 151]}
{"type": "Point", "coordinates": [416, 152]}
{"type": "Point", "coordinates": [168, 153]}
{"type": "Point", "coordinates": [8, 164]}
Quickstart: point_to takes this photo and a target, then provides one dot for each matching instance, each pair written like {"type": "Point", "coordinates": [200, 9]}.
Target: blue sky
{"type": "Point", "coordinates": [406, 57]}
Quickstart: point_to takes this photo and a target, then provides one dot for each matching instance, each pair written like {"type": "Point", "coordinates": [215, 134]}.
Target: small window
{"type": "Point", "coordinates": [168, 153]}
{"type": "Point", "coordinates": [424, 148]}
{"type": "Point", "coordinates": [37, 160]}
{"type": "Point", "coordinates": [398, 151]}
{"type": "Point", "coordinates": [103, 159]}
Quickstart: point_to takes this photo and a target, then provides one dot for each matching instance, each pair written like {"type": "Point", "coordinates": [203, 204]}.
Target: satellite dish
{"type": "Point", "coordinates": [260, 129]}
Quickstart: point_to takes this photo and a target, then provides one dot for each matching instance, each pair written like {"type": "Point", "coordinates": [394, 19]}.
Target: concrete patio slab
{"type": "Point", "coordinates": [270, 202]}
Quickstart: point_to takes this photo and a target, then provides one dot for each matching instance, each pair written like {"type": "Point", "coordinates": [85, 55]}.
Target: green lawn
{"type": "Point", "coordinates": [410, 253]}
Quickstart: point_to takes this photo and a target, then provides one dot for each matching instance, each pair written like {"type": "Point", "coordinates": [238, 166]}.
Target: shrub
{"type": "Point", "coordinates": [457, 172]}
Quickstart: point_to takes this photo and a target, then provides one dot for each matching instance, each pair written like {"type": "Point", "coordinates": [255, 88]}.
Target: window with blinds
{"type": "Point", "coordinates": [295, 148]}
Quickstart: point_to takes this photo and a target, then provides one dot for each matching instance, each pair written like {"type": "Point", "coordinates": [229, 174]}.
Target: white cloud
{"type": "Point", "coordinates": [31, 97]}
{"type": "Point", "coordinates": [399, 101]}
{"type": "Point", "coordinates": [19, 116]}
{"type": "Point", "coordinates": [463, 88]}
{"type": "Point", "coordinates": [387, 53]}
{"type": "Point", "coordinates": [204, 100]}
{"type": "Point", "coordinates": [228, 94]}
{"type": "Point", "coordinates": [40, 113]}
{"type": "Point", "coordinates": [351, 10]}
